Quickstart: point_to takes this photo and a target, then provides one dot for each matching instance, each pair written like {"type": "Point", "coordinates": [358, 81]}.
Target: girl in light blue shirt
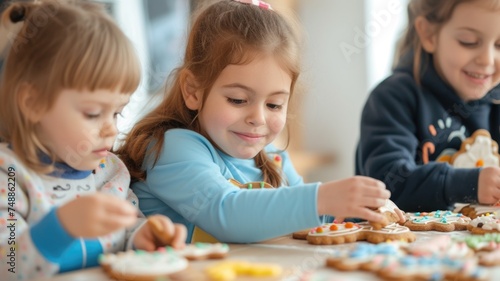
{"type": "Point", "coordinates": [227, 103]}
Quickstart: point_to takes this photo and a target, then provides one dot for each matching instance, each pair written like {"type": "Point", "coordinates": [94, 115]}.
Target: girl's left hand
{"type": "Point", "coordinates": [160, 231]}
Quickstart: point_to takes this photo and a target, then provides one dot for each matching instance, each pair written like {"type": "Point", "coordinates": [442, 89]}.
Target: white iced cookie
{"type": "Point", "coordinates": [479, 150]}
{"type": "Point", "coordinates": [142, 265]}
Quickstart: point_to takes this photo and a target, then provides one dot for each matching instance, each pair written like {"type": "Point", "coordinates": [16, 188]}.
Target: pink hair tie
{"type": "Point", "coordinates": [260, 4]}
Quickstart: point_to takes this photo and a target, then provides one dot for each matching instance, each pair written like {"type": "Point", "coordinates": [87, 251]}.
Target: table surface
{"type": "Point", "coordinates": [300, 261]}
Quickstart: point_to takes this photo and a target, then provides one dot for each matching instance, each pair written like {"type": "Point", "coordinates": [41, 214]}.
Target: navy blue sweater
{"type": "Point", "coordinates": [401, 123]}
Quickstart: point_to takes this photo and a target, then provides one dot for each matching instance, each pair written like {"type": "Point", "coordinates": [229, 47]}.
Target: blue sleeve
{"type": "Point", "coordinates": [388, 150]}
{"type": "Point", "coordinates": [50, 238]}
{"type": "Point", "coordinates": [189, 177]}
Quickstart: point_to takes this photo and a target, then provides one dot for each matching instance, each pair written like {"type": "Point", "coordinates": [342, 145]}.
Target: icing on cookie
{"type": "Point", "coordinates": [434, 268]}
{"type": "Point", "coordinates": [481, 153]}
{"type": "Point", "coordinates": [442, 217]}
{"type": "Point", "coordinates": [486, 223]}
{"type": "Point", "coordinates": [441, 245]}
{"type": "Point", "coordinates": [335, 229]}
{"type": "Point", "coordinates": [488, 241]}
{"type": "Point", "coordinates": [201, 250]}
{"type": "Point", "coordinates": [144, 263]}
{"type": "Point", "coordinates": [388, 207]}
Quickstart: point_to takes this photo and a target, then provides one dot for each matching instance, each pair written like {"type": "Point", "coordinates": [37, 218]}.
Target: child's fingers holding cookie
{"type": "Point", "coordinates": [167, 233]}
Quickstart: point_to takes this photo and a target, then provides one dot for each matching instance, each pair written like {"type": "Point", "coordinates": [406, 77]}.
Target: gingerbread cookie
{"type": "Point", "coordinates": [142, 265]}
{"type": "Point", "coordinates": [484, 224]}
{"type": "Point", "coordinates": [430, 268]}
{"type": "Point", "coordinates": [442, 246]}
{"type": "Point", "coordinates": [476, 210]}
{"type": "Point", "coordinates": [339, 233]}
{"type": "Point", "coordinates": [444, 221]}
{"type": "Point", "coordinates": [479, 150]}
{"type": "Point", "coordinates": [393, 261]}
{"type": "Point", "coordinates": [486, 246]}
{"type": "Point", "coordinates": [389, 213]}
{"type": "Point", "coordinates": [362, 256]}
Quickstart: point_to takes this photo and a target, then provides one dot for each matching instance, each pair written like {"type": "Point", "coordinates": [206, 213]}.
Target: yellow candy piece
{"type": "Point", "coordinates": [230, 270]}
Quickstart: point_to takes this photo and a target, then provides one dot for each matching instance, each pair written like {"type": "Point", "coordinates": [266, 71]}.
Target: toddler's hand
{"type": "Point", "coordinates": [159, 231]}
{"type": "Point", "coordinates": [488, 190]}
{"type": "Point", "coordinates": [353, 197]}
{"type": "Point", "coordinates": [96, 215]}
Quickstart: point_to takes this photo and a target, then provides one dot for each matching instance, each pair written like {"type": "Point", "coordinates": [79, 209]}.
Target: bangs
{"type": "Point", "coordinates": [105, 61]}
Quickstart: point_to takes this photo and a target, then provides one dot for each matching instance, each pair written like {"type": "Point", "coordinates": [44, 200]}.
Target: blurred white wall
{"type": "Point", "coordinates": [349, 49]}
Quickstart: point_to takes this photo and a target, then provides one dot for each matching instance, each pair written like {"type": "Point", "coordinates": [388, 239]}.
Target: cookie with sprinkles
{"type": "Point", "coordinates": [484, 224]}
{"type": "Point", "coordinates": [363, 256]}
{"type": "Point", "coordinates": [443, 221]}
{"type": "Point", "coordinates": [486, 246]}
{"type": "Point", "coordinates": [348, 232]}
{"type": "Point", "coordinates": [411, 267]}
{"type": "Point", "coordinates": [476, 210]}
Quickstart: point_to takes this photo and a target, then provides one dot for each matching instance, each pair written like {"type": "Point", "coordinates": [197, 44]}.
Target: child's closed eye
{"type": "Point", "coordinates": [274, 106]}
{"type": "Point", "coordinates": [468, 43]}
{"type": "Point", "coordinates": [236, 101]}
{"type": "Point", "coordinates": [92, 115]}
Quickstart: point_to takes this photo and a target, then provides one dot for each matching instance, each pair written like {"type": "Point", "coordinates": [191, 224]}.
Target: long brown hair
{"type": "Point", "coordinates": [437, 13]}
{"type": "Point", "coordinates": [55, 45]}
{"type": "Point", "coordinates": [226, 32]}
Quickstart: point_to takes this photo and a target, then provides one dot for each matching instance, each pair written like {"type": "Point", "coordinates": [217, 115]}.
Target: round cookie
{"type": "Point", "coordinates": [141, 265]}
{"type": "Point", "coordinates": [479, 150]}
{"type": "Point", "coordinates": [443, 221]}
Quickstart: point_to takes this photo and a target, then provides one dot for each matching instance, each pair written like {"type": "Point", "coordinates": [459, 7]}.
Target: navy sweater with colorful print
{"type": "Point", "coordinates": [409, 130]}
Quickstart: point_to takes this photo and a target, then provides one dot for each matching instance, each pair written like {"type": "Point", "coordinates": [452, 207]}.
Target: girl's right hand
{"type": "Point", "coordinates": [354, 197]}
{"type": "Point", "coordinates": [96, 215]}
{"type": "Point", "coordinates": [488, 189]}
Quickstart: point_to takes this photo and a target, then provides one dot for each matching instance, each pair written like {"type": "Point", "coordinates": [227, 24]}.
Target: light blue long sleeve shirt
{"type": "Point", "coordinates": [189, 184]}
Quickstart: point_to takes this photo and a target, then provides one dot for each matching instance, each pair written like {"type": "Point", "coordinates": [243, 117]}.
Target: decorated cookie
{"type": "Point", "coordinates": [230, 270]}
{"type": "Point", "coordinates": [363, 256]}
{"type": "Point", "coordinates": [393, 261]}
{"type": "Point", "coordinates": [476, 210]}
{"type": "Point", "coordinates": [440, 246]}
{"type": "Point", "coordinates": [486, 246]}
{"type": "Point", "coordinates": [142, 265]}
{"type": "Point", "coordinates": [479, 150]}
{"type": "Point", "coordinates": [389, 213]}
{"type": "Point", "coordinates": [200, 251]}
{"type": "Point", "coordinates": [484, 224]}
{"type": "Point", "coordinates": [438, 220]}
{"type": "Point", "coordinates": [339, 233]}
{"type": "Point", "coordinates": [430, 268]}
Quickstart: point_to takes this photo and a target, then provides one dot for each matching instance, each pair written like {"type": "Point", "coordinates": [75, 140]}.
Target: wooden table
{"type": "Point", "coordinates": [298, 259]}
